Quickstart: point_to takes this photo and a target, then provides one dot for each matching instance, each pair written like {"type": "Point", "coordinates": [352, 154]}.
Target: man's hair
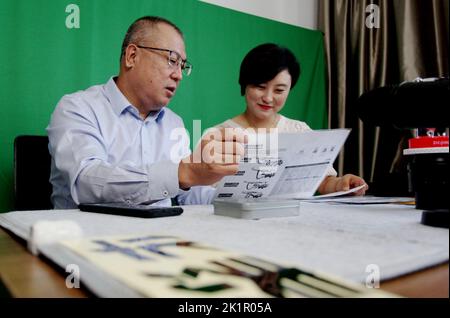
{"type": "Point", "coordinates": [264, 62]}
{"type": "Point", "coordinates": [139, 29]}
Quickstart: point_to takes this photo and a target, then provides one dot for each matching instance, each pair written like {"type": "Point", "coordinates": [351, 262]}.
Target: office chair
{"type": "Point", "coordinates": [32, 161]}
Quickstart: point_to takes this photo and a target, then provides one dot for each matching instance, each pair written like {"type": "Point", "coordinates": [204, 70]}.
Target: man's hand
{"type": "Point", "coordinates": [217, 155]}
{"type": "Point", "coordinates": [344, 183]}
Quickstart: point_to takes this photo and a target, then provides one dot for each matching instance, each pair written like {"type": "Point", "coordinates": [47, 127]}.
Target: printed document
{"type": "Point", "coordinates": [283, 165]}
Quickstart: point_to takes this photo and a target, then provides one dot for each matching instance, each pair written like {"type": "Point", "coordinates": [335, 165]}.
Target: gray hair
{"type": "Point", "coordinates": [139, 29]}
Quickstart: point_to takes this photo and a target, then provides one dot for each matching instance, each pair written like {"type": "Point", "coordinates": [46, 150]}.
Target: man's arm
{"type": "Point", "coordinates": [80, 153]}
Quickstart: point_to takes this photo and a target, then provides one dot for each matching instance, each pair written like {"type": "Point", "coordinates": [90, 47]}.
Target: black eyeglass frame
{"type": "Point", "coordinates": [186, 66]}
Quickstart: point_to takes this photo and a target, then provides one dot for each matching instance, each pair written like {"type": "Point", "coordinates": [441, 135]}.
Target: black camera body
{"type": "Point", "coordinates": [418, 105]}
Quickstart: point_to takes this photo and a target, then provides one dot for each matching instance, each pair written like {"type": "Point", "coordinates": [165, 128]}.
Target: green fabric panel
{"type": "Point", "coordinates": [42, 60]}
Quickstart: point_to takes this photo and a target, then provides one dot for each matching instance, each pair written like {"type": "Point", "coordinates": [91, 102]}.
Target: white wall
{"type": "Point", "coordinates": [296, 12]}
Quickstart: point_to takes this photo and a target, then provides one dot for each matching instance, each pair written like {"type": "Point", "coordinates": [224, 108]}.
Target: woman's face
{"type": "Point", "coordinates": [267, 99]}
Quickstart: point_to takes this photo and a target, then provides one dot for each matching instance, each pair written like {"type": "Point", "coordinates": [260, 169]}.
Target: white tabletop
{"type": "Point", "coordinates": [338, 239]}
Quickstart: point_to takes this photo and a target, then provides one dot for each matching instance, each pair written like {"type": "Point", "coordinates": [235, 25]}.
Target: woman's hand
{"type": "Point", "coordinates": [344, 183]}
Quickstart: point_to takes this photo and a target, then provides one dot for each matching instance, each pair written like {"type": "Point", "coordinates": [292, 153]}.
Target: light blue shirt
{"type": "Point", "coordinates": [103, 151]}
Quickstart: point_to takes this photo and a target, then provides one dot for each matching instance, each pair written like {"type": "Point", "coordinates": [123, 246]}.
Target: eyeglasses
{"type": "Point", "coordinates": [173, 59]}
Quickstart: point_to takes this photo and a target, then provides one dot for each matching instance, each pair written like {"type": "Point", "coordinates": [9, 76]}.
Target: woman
{"type": "Point", "coordinates": [268, 73]}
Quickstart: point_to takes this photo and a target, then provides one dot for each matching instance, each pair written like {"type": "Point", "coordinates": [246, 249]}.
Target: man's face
{"type": "Point", "coordinates": [154, 81]}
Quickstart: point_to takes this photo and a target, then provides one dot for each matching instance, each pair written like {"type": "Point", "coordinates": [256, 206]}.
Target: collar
{"type": "Point", "coordinates": [120, 103]}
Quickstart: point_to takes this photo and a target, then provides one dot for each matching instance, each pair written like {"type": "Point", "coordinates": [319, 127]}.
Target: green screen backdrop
{"type": "Point", "coordinates": [42, 59]}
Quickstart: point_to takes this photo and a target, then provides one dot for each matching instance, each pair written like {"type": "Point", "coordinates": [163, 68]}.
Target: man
{"type": "Point", "coordinates": [117, 142]}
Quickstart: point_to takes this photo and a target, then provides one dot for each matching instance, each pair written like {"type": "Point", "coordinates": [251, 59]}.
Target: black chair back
{"type": "Point", "coordinates": [32, 189]}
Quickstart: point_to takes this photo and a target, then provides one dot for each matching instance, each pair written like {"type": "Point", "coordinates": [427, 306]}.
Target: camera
{"type": "Point", "coordinates": [418, 105]}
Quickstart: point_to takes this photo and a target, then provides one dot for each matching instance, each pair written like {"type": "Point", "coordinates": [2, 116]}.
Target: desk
{"type": "Point", "coordinates": [25, 275]}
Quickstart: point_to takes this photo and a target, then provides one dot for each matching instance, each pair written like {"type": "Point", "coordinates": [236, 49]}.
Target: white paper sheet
{"type": "Point", "coordinates": [284, 165]}
{"type": "Point", "coordinates": [359, 200]}
{"type": "Point", "coordinates": [337, 194]}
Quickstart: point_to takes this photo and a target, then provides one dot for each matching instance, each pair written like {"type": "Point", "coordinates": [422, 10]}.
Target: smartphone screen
{"type": "Point", "coordinates": [140, 211]}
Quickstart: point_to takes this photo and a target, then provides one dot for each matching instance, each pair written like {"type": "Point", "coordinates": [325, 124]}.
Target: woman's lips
{"type": "Point", "coordinates": [265, 107]}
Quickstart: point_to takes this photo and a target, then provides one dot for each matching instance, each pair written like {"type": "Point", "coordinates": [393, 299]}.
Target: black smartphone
{"type": "Point", "coordinates": [140, 211]}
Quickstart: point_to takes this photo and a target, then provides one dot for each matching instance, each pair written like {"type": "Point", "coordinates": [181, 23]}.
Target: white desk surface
{"type": "Point", "coordinates": [337, 239]}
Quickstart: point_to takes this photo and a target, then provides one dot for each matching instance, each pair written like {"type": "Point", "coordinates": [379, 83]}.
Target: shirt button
{"type": "Point", "coordinates": [165, 193]}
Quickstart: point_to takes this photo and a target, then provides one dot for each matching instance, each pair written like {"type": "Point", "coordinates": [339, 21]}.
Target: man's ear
{"type": "Point", "coordinates": [130, 56]}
